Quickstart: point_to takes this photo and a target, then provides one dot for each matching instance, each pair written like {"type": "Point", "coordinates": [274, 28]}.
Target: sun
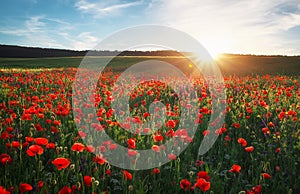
{"type": "Point", "coordinates": [217, 46]}
{"type": "Point", "coordinates": [215, 54]}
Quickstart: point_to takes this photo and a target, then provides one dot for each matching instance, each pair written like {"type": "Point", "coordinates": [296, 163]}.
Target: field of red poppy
{"type": "Point", "coordinates": [41, 149]}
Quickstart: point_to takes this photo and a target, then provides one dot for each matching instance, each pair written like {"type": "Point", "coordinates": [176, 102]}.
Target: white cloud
{"type": "Point", "coordinates": [82, 41]}
{"type": "Point", "coordinates": [104, 8]}
{"type": "Point", "coordinates": [38, 31]}
{"type": "Point", "coordinates": [34, 33]}
{"type": "Point", "coordinates": [34, 24]}
{"type": "Point", "coordinates": [59, 21]}
{"type": "Point", "coordinates": [31, 25]}
{"type": "Point", "coordinates": [232, 26]}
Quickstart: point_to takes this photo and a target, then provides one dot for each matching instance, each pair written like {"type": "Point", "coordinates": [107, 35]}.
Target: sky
{"type": "Point", "coordinates": [221, 26]}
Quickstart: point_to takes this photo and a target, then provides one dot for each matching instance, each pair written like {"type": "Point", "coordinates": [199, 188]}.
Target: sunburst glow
{"type": "Point", "coordinates": [217, 46]}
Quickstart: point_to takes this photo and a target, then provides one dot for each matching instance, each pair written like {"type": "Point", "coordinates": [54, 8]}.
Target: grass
{"type": "Point", "coordinates": [229, 64]}
{"type": "Point", "coordinates": [72, 61]}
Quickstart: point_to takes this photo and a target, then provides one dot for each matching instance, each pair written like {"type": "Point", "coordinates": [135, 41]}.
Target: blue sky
{"type": "Point", "coordinates": [231, 26]}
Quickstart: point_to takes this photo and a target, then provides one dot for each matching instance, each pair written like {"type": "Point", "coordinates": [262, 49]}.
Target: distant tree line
{"type": "Point", "coordinates": [35, 52]}
{"type": "Point", "coordinates": [11, 51]}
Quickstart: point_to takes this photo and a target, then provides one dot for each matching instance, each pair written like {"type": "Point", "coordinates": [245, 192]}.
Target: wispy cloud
{"type": "Point", "coordinates": [82, 41]}
{"type": "Point", "coordinates": [31, 25]}
{"type": "Point", "coordinates": [33, 33]}
{"type": "Point", "coordinates": [40, 31]}
{"type": "Point", "coordinates": [104, 8]}
{"type": "Point", "coordinates": [34, 24]}
{"type": "Point", "coordinates": [232, 26]}
{"type": "Point", "coordinates": [59, 21]}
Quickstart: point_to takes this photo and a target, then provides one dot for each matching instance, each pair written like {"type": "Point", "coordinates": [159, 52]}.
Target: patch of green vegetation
{"type": "Point", "coordinates": [229, 64]}
{"type": "Point", "coordinates": [3, 93]}
{"type": "Point", "coordinates": [40, 62]}
{"type": "Point", "coordinates": [117, 63]}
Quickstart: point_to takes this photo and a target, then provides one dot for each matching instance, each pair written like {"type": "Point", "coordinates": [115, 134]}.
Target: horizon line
{"type": "Point", "coordinates": [88, 50]}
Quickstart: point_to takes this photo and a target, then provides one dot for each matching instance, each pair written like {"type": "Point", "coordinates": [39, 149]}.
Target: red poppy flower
{"type": "Point", "coordinates": [202, 184]}
{"type": "Point", "coordinates": [48, 121]}
{"type": "Point", "coordinates": [270, 124]}
{"type": "Point", "coordinates": [90, 148]}
{"type": "Point", "coordinates": [79, 147]}
{"type": "Point", "coordinates": [24, 187]}
{"type": "Point", "coordinates": [249, 149]}
{"type": "Point", "coordinates": [185, 184]}
{"type": "Point", "coordinates": [236, 125]}
{"type": "Point", "coordinates": [3, 190]}
{"type": "Point", "coordinates": [99, 160]}
{"type": "Point", "coordinates": [266, 175]}
{"type": "Point", "coordinates": [41, 141]}
{"type": "Point", "coordinates": [34, 149]}
{"type": "Point", "coordinates": [87, 180]}
{"type": "Point", "coordinates": [40, 184]}
{"type": "Point", "coordinates": [109, 113]}
{"type": "Point", "coordinates": [11, 189]}
{"type": "Point", "coordinates": [8, 120]}
{"type": "Point", "coordinates": [102, 149]}
{"type": "Point", "coordinates": [235, 168]}
{"type": "Point", "coordinates": [4, 135]}
{"type": "Point", "coordinates": [146, 114]}
{"type": "Point", "coordinates": [131, 143]}
{"type": "Point", "coordinates": [8, 145]}
{"type": "Point", "coordinates": [171, 124]}
{"type": "Point", "coordinates": [242, 141]}
{"type": "Point", "coordinates": [172, 156]}
{"type": "Point", "coordinates": [199, 162]}
{"type": "Point", "coordinates": [257, 189]}
{"type": "Point", "coordinates": [112, 147]}
{"type": "Point", "coordinates": [53, 96]}
{"type": "Point", "coordinates": [206, 132]}
{"type": "Point", "coordinates": [38, 127]}
{"type": "Point", "coordinates": [26, 117]}
{"type": "Point", "coordinates": [108, 172]}
{"type": "Point", "coordinates": [265, 130]}
{"type": "Point", "coordinates": [127, 175]}
{"type": "Point", "coordinates": [155, 171]}
{"type": "Point", "coordinates": [158, 138]}
{"type": "Point", "coordinates": [137, 119]}
{"type": "Point", "coordinates": [50, 146]}
{"type": "Point", "coordinates": [220, 131]}
{"type": "Point", "coordinates": [15, 144]}
{"type": "Point", "coordinates": [74, 188]}
{"type": "Point", "coordinates": [54, 129]}
{"type": "Point", "coordinates": [65, 190]}
{"type": "Point", "coordinates": [281, 115]}
{"type": "Point", "coordinates": [204, 175]}
{"type": "Point", "coordinates": [61, 163]}
{"type": "Point", "coordinates": [56, 122]}
{"type": "Point", "coordinates": [131, 152]}
{"type": "Point", "coordinates": [155, 148]}
{"type": "Point", "coordinates": [170, 133]}
{"type": "Point", "coordinates": [81, 134]}
{"type": "Point", "coordinates": [29, 139]}
{"type": "Point", "coordinates": [25, 144]}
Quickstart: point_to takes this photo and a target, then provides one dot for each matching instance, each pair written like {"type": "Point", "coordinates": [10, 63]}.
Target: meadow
{"type": "Point", "coordinates": [42, 150]}
{"type": "Point", "coordinates": [229, 64]}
